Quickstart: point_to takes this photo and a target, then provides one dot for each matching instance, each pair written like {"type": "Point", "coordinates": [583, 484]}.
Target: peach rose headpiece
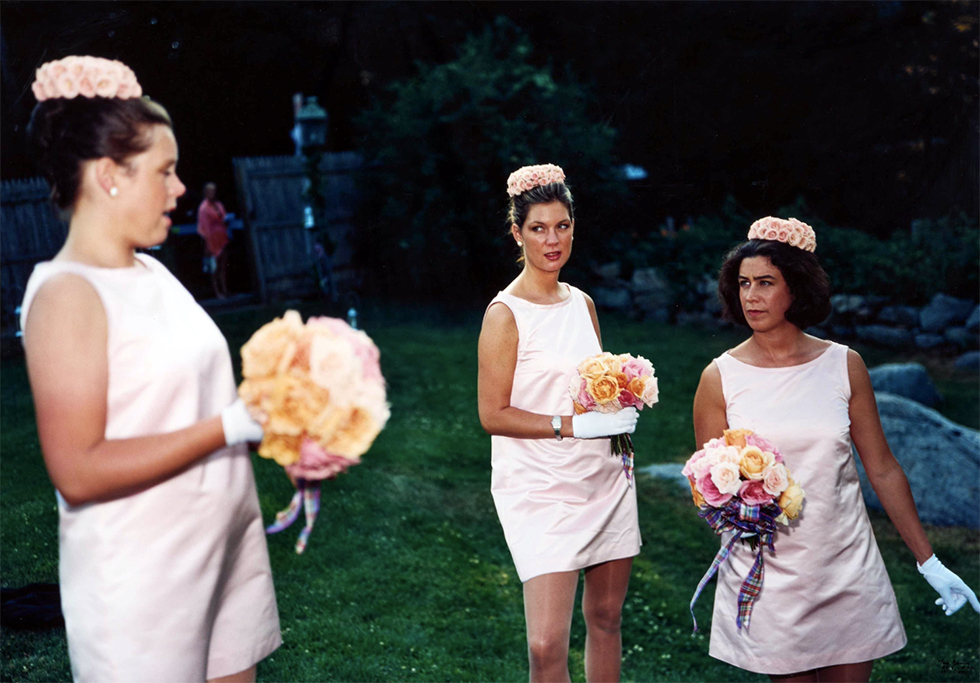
{"type": "Point", "coordinates": [790, 231]}
{"type": "Point", "coordinates": [85, 76]}
{"type": "Point", "coordinates": [529, 177]}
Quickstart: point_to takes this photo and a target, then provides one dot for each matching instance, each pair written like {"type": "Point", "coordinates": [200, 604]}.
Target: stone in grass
{"type": "Point", "coordinates": [670, 471]}
{"type": "Point", "coordinates": [941, 460]}
{"type": "Point", "coordinates": [910, 380]}
{"type": "Point", "coordinates": [609, 297]}
{"type": "Point", "coordinates": [929, 340]}
{"type": "Point", "coordinates": [884, 336]}
{"type": "Point", "coordinates": [944, 311]}
{"type": "Point", "coordinates": [962, 337]}
{"type": "Point", "coordinates": [968, 361]}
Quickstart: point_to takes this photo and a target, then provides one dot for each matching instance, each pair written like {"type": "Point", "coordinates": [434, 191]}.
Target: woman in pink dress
{"type": "Point", "coordinates": [826, 610]}
{"type": "Point", "coordinates": [562, 498]}
{"type": "Point", "coordinates": [211, 226]}
{"type": "Point", "coordinates": [163, 565]}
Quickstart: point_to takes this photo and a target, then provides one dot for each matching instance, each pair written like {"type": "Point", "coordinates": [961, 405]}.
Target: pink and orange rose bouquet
{"type": "Point", "coordinates": [741, 485]}
{"type": "Point", "coordinates": [608, 383]}
{"type": "Point", "coordinates": [318, 392]}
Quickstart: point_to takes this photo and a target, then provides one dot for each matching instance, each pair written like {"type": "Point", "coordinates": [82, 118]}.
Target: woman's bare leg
{"type": "Point", "coordinates": [548, 603]}
{"type": "Point", "coordinates": [839, 673]}
{"type": "Point", "coordinates": [602, 605]}
{"type": "Point", "coordinates": [246, 676]}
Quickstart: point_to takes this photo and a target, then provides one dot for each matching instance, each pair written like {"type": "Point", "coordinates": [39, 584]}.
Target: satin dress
{"type": "Point", "coordinates": [563, 505]}
{"type": "Point", "coordinates": [172, 583]}
{"type": "Point", "coordinates": [826, 598]}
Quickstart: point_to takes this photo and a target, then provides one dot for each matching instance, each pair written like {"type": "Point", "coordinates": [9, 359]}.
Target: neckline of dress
{"type": "Point", "coordinates": [139, 266]}
{"type": "Point", "coordinates": [784, 367]}
{"type": "Point", "coordinates": [536, 305]}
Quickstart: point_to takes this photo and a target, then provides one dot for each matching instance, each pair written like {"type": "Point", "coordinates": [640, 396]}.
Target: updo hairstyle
{"type": "Point", "coordinates": [63, 133]}
{"type": "Point", "coordinates": [806, 279]}
{"type": "Point", "coordinates": [521, 204]}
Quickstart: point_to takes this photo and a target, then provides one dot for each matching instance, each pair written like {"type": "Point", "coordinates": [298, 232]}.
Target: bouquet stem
{"type": "Point", "coordinates": [622, 445]}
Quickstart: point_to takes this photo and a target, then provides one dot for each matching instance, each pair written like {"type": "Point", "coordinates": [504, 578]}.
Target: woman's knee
{"type": "Point", "coordinates": [605, 616]}
{"type": "Point", "coordinates": [545, 651]}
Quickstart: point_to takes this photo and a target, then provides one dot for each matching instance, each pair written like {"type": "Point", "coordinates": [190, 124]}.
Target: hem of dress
{"type": "Point", "coordinates": [784, 667]}
{"type": "Point", "coordinates": [578, 566]}
{"type": "Point", "coordinates": [233, 664]}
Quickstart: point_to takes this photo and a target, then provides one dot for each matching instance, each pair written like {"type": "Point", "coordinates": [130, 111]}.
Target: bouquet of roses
{"type": "Point", "coordinates": [741, 485]}
{"type": "Point", "coordinates": [607, 383]}
{"type": "Point", "coordinates": [318, 392]}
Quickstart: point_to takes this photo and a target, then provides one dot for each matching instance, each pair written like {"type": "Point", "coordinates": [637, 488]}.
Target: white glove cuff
{"type": "Point", "coordinates": [929, 565]}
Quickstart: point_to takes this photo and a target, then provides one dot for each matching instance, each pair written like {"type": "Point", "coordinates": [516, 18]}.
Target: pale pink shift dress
{"type": "Point", "coordinates": [563, 505]}
{"type": "Point", "coordinates": [826, 598]}
{"type": "Point", "coordinates": [172, 583]}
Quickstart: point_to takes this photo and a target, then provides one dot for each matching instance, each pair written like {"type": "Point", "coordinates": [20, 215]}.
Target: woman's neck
{"type": "Point", "coordinates": [783, 343]}
{"type": "Point", "coordinates": [92, 243]}
{"type": "Point", "coordinates": [539, 286]}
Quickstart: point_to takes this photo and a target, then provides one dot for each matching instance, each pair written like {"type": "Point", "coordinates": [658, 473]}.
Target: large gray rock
{"type": "Point", "coordinates": [670, 470]}
{"type": "Point", "coordinates": [973, 322]}
{"type": "Point", "coordinates": [962, 337]}
{"type": "Point", "coordinates": [929, 340]}
{"type": "Point", "coordinates": [608, 271]}
{"type": "Point", "coordinates": [844, 304]}
{"type": "Point", "coordinates": [941, 460]}
{"type": "Point", "coordinates": [944, 311]}
{"type": "Point", "coordinates": [903, 316]}
{"type": "Point", "coordinates": [647, 280]}
{"type": "Point", "coordinates": [611, 297]}
{"type": "Point", "coordinates": [884, 336]}
{"type": "Point", "coordinates": [968, 361]}
{"type": "Point", "coordinates": [910, 380]}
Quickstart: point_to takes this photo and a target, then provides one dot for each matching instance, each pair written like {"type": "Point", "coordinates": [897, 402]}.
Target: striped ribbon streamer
{"type": "Point", "coordinates": [311, 503]}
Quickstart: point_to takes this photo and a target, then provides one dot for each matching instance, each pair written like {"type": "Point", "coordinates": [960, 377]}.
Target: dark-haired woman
{"type": "Point", "coordinates": [563, 500]}
{"type": "Point", "coordinates": [163, 563]}
{"type": "Point", "coordinates": [826, 610]}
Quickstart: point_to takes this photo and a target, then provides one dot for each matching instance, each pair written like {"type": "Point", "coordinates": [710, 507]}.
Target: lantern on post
{"type": "Point", "coordinates": [310, 129]}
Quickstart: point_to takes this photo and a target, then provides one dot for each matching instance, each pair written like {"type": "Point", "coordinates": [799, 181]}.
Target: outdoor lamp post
{"type": "Point", "coordinates": [310, 136]}
{"type": "Point", "coordinates": [310, 129]}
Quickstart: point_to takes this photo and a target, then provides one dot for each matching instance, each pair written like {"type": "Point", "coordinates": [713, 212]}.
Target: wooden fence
{"type": "Point", "coordinates": [29, 232]}
{"type": "Point", "coordinates": [270, 195]}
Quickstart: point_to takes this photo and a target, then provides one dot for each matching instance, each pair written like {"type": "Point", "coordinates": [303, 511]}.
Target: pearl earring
{"type": "Point", "coordinates": [113, 191]}
{"type": "Point", "coordinates": [520, 244]}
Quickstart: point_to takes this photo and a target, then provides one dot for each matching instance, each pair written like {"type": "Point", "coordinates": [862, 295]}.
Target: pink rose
{"type": "Point", "coordinates": [316, 464]}
{"type": "Point", "coordinates": [106, 86]}
{"type": "Point", "coordinates": [688, 470]}
{"type": "Point", "coordinates": [763, 444]}
{"type": "Point", "coordinates": [726, 477]}
{"type": "Point", "coordinates": [651, 392]}
{"type": "Point", "coordinates": [712, 496]}
{"type": "Point", "coordinates": [86, 88]}
{"type": "Point", "coordinates": [775, 479]}
{"type": "Point", "coordinates": [67, 86]}
{"type": "Point", "coordinates": [40, 94]}
{"type": "Point", "coordinates": [637, 367]}
{"type": "Point", "coordinates": [753, 492]}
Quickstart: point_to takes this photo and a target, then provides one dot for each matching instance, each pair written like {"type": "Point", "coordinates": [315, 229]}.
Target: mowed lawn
{"type": "Point", "coordinates": [407, 576]}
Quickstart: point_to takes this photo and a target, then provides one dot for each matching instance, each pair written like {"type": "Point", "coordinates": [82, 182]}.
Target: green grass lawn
{"type": "Point", "coordinates": [407, 576]}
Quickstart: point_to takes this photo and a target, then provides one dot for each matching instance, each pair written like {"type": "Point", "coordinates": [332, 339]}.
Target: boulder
{"type": "Point", "coordinates": [909, 380]}
{"type": "Point", "coordinates": [608, 271]}
{"type": "Point", "coordinates": [844, 304]}
{"type": "Point", "coordinates": [929, 340]}
{"type": "Point", "coordinates": [884, 336]}
{"type": "Point", "coordinates": [962, 337]}
{"type": "Point", "coordinates": [944, 311]}
{"type": "Point", "coordinates": [671, 471]}
{"type": "Point", "coordinates": [611, 297]}
{"type": "Point", "coordinates": [941, 460]}
{"type": "Point", "coordinates": [903, 316]}
{"type": "Point", "coordinates": [968, 361]}
{"type": "Point", "coordinates": [973, 322]}
{"type": "Point", "coordinates": [647, 280]}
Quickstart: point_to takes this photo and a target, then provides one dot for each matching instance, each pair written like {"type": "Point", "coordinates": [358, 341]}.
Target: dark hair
{"type": "Point", "coordinates": [521, 204]}
{"type": "Point", "coordinates": [63, 133]}
{"type": "Point", "coordinates": [807, 281]}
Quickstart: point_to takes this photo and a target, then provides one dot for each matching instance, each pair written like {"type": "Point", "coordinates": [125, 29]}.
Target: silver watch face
{"type": "Point", "coordinates": [556, 422]}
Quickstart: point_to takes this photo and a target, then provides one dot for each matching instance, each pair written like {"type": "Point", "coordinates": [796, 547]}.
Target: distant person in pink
{"type": "Point", "coordinates": [211, 226]}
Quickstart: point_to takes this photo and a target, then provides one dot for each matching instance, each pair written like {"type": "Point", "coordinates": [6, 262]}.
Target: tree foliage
{"type": "Point", "coordinates": [440, 148]}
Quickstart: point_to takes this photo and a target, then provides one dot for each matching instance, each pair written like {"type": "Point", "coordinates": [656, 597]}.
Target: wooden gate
{"type": "Point", "coordinates": [270, 196]}
{"type": "Point", "coordinates": [29, 232]}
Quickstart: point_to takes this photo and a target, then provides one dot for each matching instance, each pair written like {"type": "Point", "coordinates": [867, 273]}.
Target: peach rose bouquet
{"type": "Point", "coordinates": [318, 392]}
{"type": "Point", "coordinates": [741, 485]}
{"type": "Point", "coordinates": [608, 383]}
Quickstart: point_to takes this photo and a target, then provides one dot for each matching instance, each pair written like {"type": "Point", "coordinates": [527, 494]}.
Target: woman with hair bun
{"type": "Point", "coordinates": [163, 564]}
{"type": "Point", "coordinates": [562, 498]}
{"type": "Point", "coordinates": [826, 609]}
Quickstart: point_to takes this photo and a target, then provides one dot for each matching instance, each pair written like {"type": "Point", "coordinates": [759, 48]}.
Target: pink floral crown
{"type": "Point", "coordinates": [85, 76]}
{"type": "Point", "coordinates": [790, 231]}
{"type": "Point", "coordinates": [529, 177]}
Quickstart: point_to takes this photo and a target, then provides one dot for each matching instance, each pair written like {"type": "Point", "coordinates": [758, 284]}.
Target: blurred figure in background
{"type": "Point", "coordinates": [211, 226]}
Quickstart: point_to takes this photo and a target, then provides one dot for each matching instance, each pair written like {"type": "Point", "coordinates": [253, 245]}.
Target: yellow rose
{"type": "Point", "coordinates": [736, 437]}
{"type": "Point", "coordinates": [636, 387]}
{"type": "Point", "coordinates": [283, 449]}
{"type": "Point", "coordinates": [350, 433]}
{"type": "Point", "coordinates": [579, 408]}
{"type": "Point", "coordinates": [603, 389]}
{"type": "Point", "coordinates": [592, 367]}
{"type": "Point", "coordinates": [295, 401]}
{"type": "Point", "coordinates": [272, 346]}
{"type": "Point", "coordinates": [621, 379]}
{"type": "Point", "coordinates": [695, 494]}
{"type": "Point", "coordinates": [754, 461]}
{"type": "Point", "coordinates": [791, 500]}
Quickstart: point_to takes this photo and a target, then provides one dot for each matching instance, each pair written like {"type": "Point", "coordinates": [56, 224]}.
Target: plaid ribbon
{"type": "Point", "coordinates": [307, 497]}
{"type": "Point", "coordinates": [626, 444]}
{"type": "Point", "coordinates": [739, 518]}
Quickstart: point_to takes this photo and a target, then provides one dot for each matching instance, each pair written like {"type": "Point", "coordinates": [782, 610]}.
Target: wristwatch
{"type": "Point", "coordinates": [556, 425]}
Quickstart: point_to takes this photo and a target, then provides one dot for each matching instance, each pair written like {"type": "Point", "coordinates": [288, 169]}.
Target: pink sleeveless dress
{"type": "Point", "coordinates": [172, 583]}
{"type": "Point", "coordinates": [826, 598]}
{"type": "Point", "coordinates": [563, 505]}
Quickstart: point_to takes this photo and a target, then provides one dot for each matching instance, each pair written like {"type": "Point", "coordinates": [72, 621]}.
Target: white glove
{"type": "Point", "coordinates": [594, 425]}
{"type": "Point", "coordinates": [952, 590]}
{"type": "Point", "coordinates": [238, 425]}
